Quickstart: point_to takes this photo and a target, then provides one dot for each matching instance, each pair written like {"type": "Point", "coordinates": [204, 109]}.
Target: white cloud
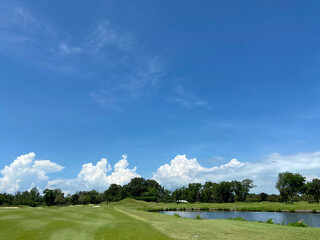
{"type": "Point", "coordinates": [95, 176]}
{"type": "Point", "coordinates": [182, 171]}
{"type": "Point", "coordinates": [24, 173]}
{"type": "Point", "coordinates": [47, 166]}
{"type": "Point", "coordinates": [131, 71]}
{"type": "Point", "coordinates": [106, 34]}
{"type": "Point", "coordinates": [140, 79]}
{"type": "Point", "coordinates": [187, 98]}
{"type": "Point", "coordinates": [65, 49]}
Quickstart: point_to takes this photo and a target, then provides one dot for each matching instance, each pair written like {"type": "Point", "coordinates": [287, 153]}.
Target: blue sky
{"type": "Point", "coordinates": [156, 80]}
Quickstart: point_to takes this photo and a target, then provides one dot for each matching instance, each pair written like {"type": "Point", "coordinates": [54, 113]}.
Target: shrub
{"type": "Point", "coordinates": [298, 224]}
{"type": "Point", "coordinates": [198, 216]}
{"type": "Point", "coordinates": [270, 221]}
{"type": "Point", "coordinates": [176, 215]}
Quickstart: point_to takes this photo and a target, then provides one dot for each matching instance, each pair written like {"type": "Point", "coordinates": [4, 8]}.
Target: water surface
{"type": "Point", "coordinates": [312, 219]}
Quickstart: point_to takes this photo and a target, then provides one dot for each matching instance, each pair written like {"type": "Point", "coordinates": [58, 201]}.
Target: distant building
{"type": "Point", "coordinates": [182, 201]}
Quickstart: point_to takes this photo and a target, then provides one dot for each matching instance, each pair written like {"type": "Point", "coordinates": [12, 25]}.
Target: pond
{"type": "Point", "coordinates": [312, 219]}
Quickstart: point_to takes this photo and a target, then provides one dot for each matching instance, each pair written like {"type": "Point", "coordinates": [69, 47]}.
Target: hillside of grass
{"type": "Point", "coordinates": [127, 220]}
{"type": "Point", "coordinates": [181, 228]}
{"type": "Point", "coordinates": [239, 206]}
{"type": "Point", "coordinates": [76, 222]}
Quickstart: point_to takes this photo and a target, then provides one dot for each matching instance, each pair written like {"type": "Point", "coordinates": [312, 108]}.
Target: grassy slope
{"type": "Point", "coordinates": [123, 220]}
{"type": "Point", "coordinates": [80, 222]}
{"type": "Point", "coordinates": [179, 228]}
{"type": "Point", "coordinates": [256, 206]}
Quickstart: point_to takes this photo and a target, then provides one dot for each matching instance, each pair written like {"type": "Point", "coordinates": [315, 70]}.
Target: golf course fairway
{"type": "Point", "coordinates": [126, 220]}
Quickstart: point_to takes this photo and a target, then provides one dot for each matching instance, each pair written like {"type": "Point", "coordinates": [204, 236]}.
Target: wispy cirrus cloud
{"type": "Point", "coordinates": [129, 71]}
{"type": "Point", "coordinates": [65, 49]}
{"type": "Point", "coordinates": [20, 30]}
{"type": "Point", "coordinates": [28, 36]}
{"type": "Point", "coordinates": [187, 98]}
{"type": "Point", "coordinates": [105, 35]}
{"type": "Point", "coordinates": [145, 76]}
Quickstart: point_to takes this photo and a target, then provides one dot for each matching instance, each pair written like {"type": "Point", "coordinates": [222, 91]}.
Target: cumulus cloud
{"type": "Point", "coordinates": [24, 173]}
{"type": "Point", "coordinates": [182, 170]}
{"type": "Point", "coordinates": [96, 176]}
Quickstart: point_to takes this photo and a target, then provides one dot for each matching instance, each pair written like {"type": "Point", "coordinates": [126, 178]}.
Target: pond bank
{"type": "Point", "coordinates": [231, 210]}
{"type": "Point", "coordinates": [284, 218]}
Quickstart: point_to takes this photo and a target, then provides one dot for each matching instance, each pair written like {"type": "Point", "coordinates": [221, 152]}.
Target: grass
{"type": "Point", "coordinates": [125, 220]}
{"type": "Point", "coordinates": [80, 222]}
{"type": "Point", "coordinates": [239, 206]}
{"type": "Point", "coordinates": [182, 228]}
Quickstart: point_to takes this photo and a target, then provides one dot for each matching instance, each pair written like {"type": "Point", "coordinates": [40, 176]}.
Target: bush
{"type": "Point", "coordinates": [298, 224]}
{"type": "Point", "coordinates": [198, 216]}
{"type": "Point", "coordinates": [270, 221]}
{"type": "Point", "coordinates": [176, 215]}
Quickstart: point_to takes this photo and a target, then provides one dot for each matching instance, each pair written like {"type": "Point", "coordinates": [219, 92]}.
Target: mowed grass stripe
{"type": "Point", "coordinates": [182, 228]}
{"type": "Point", "coordinates": [83, 222]}
{"type": "Point", "coordinates": [126, 220]}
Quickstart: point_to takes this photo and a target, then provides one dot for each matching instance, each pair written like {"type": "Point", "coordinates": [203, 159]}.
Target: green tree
{"type": "Point", "coordinates": [74, 199]}
{"type": "Point", "coordinates": [313, 188]}
{"type": "Point", "coordinates": [241, 189]}
{"type": "Point", "coordinates": [253, 198]}
{"type": "Point", "coordinates": [113, 194]}
{"type": "Point", "coordinates": [193, 192]}
{"type": "Point", "coordinates": [264, 196]}
{"type": "Point", "coordinates": [290, 184]}
{"type": "Point", "coordinates": [167, 197]}
{"type": "Point", "coordinates": [49, 197]}
{"type": "Point", "coordinates": [224, 193]}
{"type": "Point", "coordinates": [137, 186]}
{"type": "Point", "coordinates": [34, 198]}
{"type": "Point", "coordinates": [208, 192]}
{"type": "Point", "coordinates": [59, 200]}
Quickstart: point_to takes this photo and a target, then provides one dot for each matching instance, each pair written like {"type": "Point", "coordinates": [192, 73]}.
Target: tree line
{"type": "Point", "coordinates": [291, 186]}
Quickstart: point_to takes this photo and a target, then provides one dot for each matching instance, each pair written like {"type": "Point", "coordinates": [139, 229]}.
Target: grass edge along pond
{"type": "Point", "coordinates": [236, 206]}
{"type": "Point", "coordinates": [181, 228]}
{"type": "Point", "coordinates": [128, 220]}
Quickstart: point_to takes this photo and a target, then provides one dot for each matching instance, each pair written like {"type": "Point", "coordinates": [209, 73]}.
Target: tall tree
{"type": "Point", "coordinates": [224, 193]}
{"type": "Point", "coordinates": [113, 193]}
{"type": "Point", "coordinates": [208, 191]}
{"type": "Point", "coordinates": [290, 184]}
{"type": "Point", "coordinates": [313, 188]}
{"type": "Point", "coordinates": [193, 192]}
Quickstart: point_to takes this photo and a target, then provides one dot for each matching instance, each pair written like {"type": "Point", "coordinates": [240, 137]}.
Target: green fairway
{"type": "Point", "coordinates": [125, 220]}
{"type": "Point", "coordinates": [80, 222]}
